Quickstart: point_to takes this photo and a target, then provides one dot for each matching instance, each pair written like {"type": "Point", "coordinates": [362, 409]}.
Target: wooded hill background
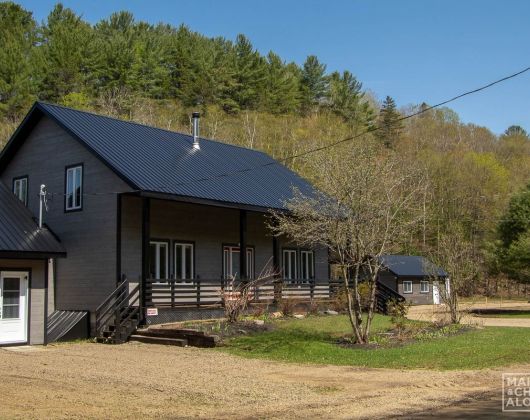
{"type": "Point", "coordinates": [158, 74]}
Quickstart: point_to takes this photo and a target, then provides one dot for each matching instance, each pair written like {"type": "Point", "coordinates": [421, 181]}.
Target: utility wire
{"type": "Point", "coordinates": [336, 143]}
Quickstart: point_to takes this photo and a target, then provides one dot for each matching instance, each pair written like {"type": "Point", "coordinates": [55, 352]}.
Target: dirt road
{"type": "Point", "coordinates": [138, 381]}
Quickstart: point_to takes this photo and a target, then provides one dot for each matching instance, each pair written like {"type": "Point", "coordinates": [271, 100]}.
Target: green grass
{"type": "Point", "coordinates": [312, 340]}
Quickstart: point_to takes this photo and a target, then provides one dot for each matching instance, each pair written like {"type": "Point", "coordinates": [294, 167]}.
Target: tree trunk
{"type": "Point", "coordinates": [351, 312]}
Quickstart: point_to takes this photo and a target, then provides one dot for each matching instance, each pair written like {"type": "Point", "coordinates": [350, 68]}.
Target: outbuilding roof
{"type": "Point", "coordinates": [20, 236]}
{"type": "Point", "coordinates": [151, 159]}
{"type": "Point", "coordinates": [412, 265]}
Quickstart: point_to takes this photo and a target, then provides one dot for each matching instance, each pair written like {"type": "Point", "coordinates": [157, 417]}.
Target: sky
{"type": "Point", "coordinates": [415, 51]}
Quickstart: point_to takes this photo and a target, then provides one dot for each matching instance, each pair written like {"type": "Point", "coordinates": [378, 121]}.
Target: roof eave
{"type": "Point", "coordinates": [204, 201]}
{"type": "Point", "coordinates": [31, 255]}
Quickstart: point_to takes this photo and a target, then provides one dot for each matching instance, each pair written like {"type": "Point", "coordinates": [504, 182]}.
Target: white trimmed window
{"type": "Point", "coordinates": [290, 266]}
{"type": "Point", "coordinates": [307, 265]}
{"type": "Point", "coordinates": [158, 260]}
{"type": "Point", "coordinates": [424, 287]}
{"type": "Point", "coordinates": [407, 286]}
{"type": "Point", "coordinates": [231, 262]}
{"type": "Point", "coordinates": [74, 188]}
{"type": "Point", "coordinates": [20, 189]}
{"type": "Point", "coordinates": [184, 261]}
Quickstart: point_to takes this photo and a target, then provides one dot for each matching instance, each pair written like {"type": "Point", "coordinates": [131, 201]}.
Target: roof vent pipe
{"type": "Point", "coordinates": [195, 118]}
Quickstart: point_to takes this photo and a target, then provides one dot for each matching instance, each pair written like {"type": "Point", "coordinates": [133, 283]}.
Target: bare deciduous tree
{"type": "Point", "coordinates": [457, 257]}
{"type": "Point", "coordinates": [370, 199]}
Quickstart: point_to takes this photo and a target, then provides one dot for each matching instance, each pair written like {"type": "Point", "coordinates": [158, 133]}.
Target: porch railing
{"type": "Point", "coordinates": [171, 293]}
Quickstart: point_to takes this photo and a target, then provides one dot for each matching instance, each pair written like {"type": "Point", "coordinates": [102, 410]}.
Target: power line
{"type": "Point", "coordinates": [344, 140]}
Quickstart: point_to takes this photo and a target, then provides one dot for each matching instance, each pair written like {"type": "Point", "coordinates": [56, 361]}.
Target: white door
{"type": "Point", "coordinates": [435, 293]}
{"type": "Point", "coordinates": [13, 307]}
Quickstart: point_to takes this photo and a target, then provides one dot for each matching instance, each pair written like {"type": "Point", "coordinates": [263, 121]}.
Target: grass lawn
{"type": "Point", "coordinates": [313, 340]}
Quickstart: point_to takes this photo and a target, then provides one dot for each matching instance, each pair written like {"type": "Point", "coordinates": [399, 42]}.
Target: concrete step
{"type": "Point", "coordinates": [159, 340]}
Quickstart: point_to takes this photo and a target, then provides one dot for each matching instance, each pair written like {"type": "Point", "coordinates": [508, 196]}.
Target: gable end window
{"type": "Point", "coordinates": [407, 286]}
{"type": "Point", "coordinates": [74, 188]}
{"type": "Point", "coordinates": [20, 189]}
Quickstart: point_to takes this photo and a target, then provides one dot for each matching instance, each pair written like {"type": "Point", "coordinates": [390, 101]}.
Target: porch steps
{"type": "Point", "coordinates": [167, 341]}
{"type": "Point", "coordinates": [192, 338]}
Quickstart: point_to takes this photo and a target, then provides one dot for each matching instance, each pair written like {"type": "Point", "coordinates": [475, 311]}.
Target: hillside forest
{"type": "Point", "coordinates": [477, 183]}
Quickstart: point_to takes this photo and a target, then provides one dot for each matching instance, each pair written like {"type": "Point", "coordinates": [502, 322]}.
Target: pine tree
{"type": "Point", "coordinates": [389, 125]}
{"type": "Point", "coordinates": [346, 99]}
{"type": "Point", "coordinates": [282, 86]}
{"type": "Point", "coordinates": [313, 83]}
{"type": "Point", "coordinates": [65, 48]}
{"type": "Point", "coordinates": [18, 59]}
{"type": "Point", "coordinates": [251, 72]}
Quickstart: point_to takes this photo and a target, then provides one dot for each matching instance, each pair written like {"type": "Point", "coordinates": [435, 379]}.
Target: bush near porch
{"type": "Point", "coordinates": [316, 339]}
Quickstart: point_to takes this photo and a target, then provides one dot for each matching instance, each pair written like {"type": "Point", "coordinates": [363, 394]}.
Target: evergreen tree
{"type": "Point", "coordinates": [112, 65]}
{"type": "Point", "coordinates": [388, 123]}
{"type": "Point", "coordinates": [65, 46]}
{"type": "Point", "coordinates": [515, 130]}
{"type": "Point", "coordinates": [282, 86]}
{"type": "Point", "coordinates": [250, 75]}
{"type": "Point", "coordinates": [18, 69]}
{"type": "Point", "coordinates": [346, 99]}
{"type": "Point", "coordinates": [313, 83]}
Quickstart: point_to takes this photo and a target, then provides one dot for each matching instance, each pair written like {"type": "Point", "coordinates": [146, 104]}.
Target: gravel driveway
{"type": "Point", "coordinates": [136, 380]}
{"type": "Point", "coordinates": [436, 312]}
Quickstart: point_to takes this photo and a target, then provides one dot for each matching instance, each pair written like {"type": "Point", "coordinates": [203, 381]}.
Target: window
{"type": "Point", "coordinates": [424, 287]}
{"type": "Point", "coordinates": [307, 265]}
{"type": "Point", "coordinates": [407, 286]}
{"type": "Point", "coordinates": [290, 269]}
{"type": "Point", "coordinates": [231, 262]}
{"type": "Point", "coordinates": [158, 260]}
{"type": "Point", "coordinates": [10, 298]}
{"type": "Point", "coordinates": [74, 188]}
{"type": "Point", "coordinates": [20, 189]}
{"type": "Point", "coordinates": [184, 261]}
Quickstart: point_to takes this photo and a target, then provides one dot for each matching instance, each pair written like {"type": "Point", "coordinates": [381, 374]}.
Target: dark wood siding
{"type": "Point", "coordinates": [88, 274]}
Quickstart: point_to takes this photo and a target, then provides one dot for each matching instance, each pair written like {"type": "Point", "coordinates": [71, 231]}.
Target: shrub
{"type": "Point", "coordinates": [287, 306]}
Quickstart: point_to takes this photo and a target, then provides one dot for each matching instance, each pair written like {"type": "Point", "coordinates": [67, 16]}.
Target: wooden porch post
{"type": "Point", "coordinates": [146, 234]}
{"type": "Point", "coordinates": [118, 238]}
{"type": "Point", "coordinates": [243, 244]}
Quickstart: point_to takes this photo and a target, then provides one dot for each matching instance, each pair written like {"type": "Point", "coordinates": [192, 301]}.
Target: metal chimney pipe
{"type": "Point", "coordinates": [195, 117]}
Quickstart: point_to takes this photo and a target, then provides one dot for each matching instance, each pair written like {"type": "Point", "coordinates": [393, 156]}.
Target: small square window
{"type": "Point", "coordinates": [407, 286]}
{"type": "Point", "coordinates": [424, 287]}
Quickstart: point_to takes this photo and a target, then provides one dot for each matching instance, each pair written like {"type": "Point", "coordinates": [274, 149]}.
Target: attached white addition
{"type": "Point", "coordinates": [13, 307]}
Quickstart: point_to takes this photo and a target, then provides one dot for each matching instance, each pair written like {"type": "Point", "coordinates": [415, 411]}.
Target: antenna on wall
{"type": "Point", "coordinates": [43, 202]}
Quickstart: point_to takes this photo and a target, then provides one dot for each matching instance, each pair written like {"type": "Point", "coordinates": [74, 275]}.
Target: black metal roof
{"type": "Point", "coordinates": [411, 265]}
{"type": "Point", "coordinates": [20, 236]}
{"type": "Point", "coordinates": [155, 160]}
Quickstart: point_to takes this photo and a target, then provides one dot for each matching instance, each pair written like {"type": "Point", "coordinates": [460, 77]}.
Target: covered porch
{"type": "Point", "coordinates": [186, 255]}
